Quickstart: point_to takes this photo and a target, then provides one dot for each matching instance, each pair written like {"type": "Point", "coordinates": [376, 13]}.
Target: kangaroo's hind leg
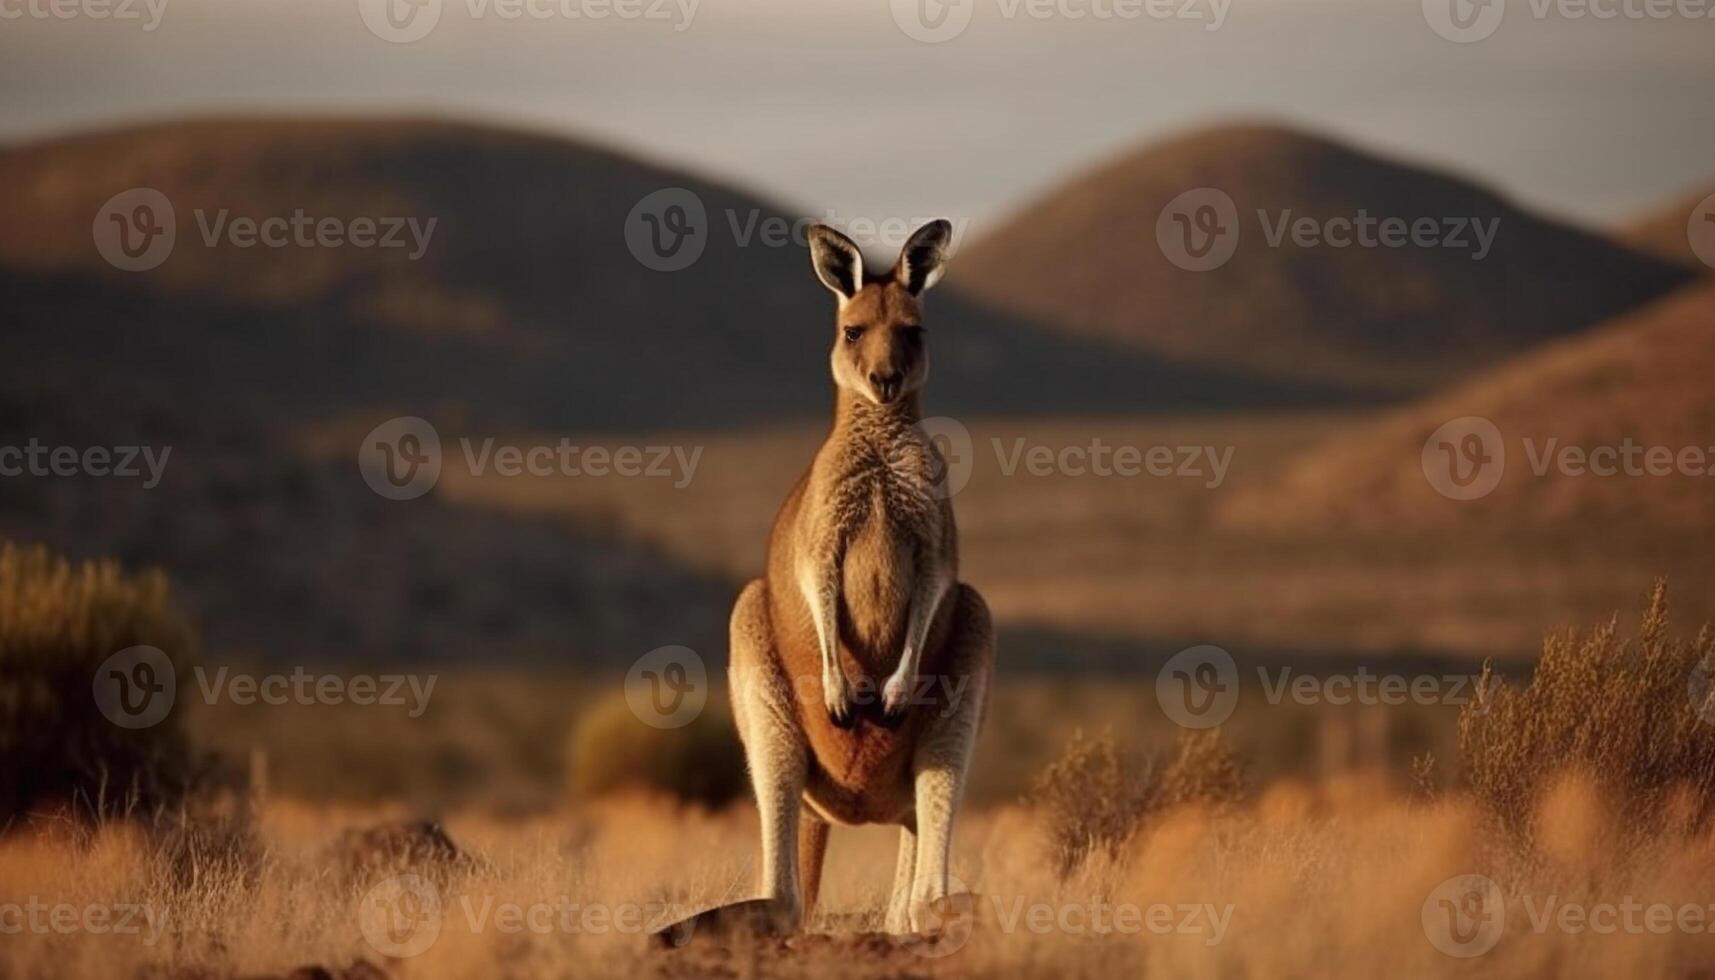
{"type": "Point", "coordinates": [944, 752]}
{"type": "Point", "coordinates": [776, 753]}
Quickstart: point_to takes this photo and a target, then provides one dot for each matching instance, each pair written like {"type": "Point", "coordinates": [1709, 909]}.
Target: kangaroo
{"type": "Point", "coordinates": [860, 664]}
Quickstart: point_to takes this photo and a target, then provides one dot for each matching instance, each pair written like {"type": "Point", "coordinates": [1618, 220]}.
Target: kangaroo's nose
{"type": "Point", "coordinates": [886, 382]}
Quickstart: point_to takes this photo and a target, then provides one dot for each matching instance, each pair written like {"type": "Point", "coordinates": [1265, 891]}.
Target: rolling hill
{"type": "Point", "coordinates": [515, 298]}
{"type": "Point", "coordinates": [1394, 320]}
{"type": "Point", "coordinates": [1663, 232]}
{"type": "Point", "coordinates": [1641, 381]}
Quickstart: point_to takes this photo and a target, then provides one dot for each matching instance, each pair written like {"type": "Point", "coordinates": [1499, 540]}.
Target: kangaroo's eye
{"type": "Point", "coordinates": [853, 334]}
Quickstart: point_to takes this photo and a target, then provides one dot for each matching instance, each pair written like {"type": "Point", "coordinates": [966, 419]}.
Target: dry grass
{"type": "Point", "coordinates": [1634, 716]}
{"type": "Point", "coordinates": [1096, 796]}
{"type": "Point", "coordinates": [1312, 878]}
{"type": "Point", "coordinates": [58, 623]}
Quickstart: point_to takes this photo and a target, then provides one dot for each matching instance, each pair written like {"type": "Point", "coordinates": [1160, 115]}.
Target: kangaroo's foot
{"type": "Point", "coordinates": [757, 917]}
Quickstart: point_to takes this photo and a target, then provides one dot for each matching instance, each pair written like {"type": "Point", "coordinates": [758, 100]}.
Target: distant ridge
{"type": "Point", "coordinates": [526, 306]}
{"type": "Point", "coordinates": [1085, 257]}
{"type": "Point", "coordinates": [1642, 381]}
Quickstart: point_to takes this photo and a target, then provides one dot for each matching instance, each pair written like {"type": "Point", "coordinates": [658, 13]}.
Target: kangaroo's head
{"type": "Point", "coordinates": [880, 352]}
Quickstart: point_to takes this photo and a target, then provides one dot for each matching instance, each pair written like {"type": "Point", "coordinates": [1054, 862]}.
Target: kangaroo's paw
{"type": "Point", "coordinates": [837, 697]}
{"type": "Point", "coordinates": [895, 699]}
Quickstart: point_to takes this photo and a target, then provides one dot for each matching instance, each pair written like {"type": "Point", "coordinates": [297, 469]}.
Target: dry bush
{"type": "Point", "coordinates": [1095, 797]}
{"type": "Point", "coordinates": [58, 623]}
{"type": "Point", "coordinates": [612, 751]}
{"type": "Point", "coordinates": [1637, 716]}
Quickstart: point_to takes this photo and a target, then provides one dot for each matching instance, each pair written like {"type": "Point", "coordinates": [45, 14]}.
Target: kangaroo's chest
{"type": "Point", "coordinates": [895, 526]}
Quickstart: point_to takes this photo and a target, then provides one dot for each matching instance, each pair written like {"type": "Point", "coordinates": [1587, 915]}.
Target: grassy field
{"type": "Point", "coordinates": [1560, 823]}
{"type": "Point", "coordinates": [1337, 876]}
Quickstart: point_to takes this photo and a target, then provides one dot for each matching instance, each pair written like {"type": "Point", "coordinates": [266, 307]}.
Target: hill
{"type": "Point", "coordinates": [1311, 306]}
{"type": "Point", "coordinates": [1665, 232]}
{"type": "Point", "coordinates": [1630, 397]}
{"type": "Point", "coordinates": [511, 292]}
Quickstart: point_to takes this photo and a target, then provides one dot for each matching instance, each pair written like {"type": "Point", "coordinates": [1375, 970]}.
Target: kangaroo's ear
{"type": "Point", "coordinates": [924, 256]}
{"type": "Point", "coordinates": [838, 262]}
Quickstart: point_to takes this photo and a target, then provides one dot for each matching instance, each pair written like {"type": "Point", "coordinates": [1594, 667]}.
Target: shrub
{"type": "Point", "coordinates": [58, 623]}
{"type": "Point", "coordinates": [612, 751]}
{"type": "Point", "coordinates": [1095, 797]}
{"type": "Point", "coordinates": [1637, 716]}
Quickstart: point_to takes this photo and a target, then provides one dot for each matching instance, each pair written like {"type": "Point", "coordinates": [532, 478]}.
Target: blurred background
{"type": "Point", "coordinates": [249, 236]}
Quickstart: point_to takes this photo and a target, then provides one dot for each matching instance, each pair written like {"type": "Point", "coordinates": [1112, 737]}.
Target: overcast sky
{"type": "Point", "coordinates": [833, 105]}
